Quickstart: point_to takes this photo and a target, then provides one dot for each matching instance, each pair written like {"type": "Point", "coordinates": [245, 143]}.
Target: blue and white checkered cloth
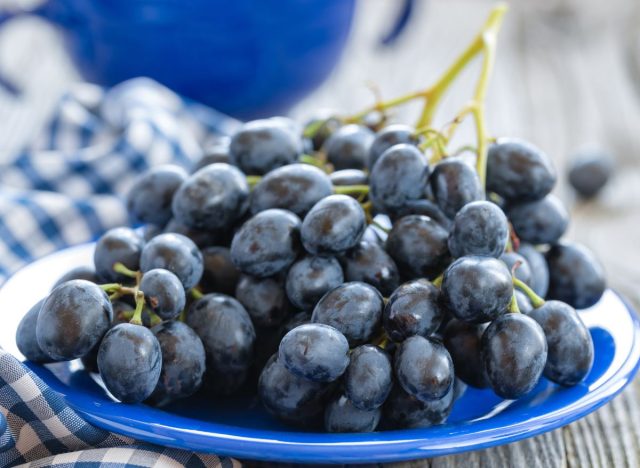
{"type": "Point", "coordinates": [63, 190]}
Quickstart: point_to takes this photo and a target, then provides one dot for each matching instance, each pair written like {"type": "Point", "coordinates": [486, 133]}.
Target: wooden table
{"type": "Point", "coordinates": [564, 78]}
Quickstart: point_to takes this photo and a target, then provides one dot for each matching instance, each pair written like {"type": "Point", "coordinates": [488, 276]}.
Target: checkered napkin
{"type": "Point", "coordinates": [60, 191]}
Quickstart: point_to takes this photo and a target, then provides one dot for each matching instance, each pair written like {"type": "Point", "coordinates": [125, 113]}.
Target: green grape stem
{"type": "Point", "coordinates": [513, 305]}
{"type": "Point", "coordinates": [123, 270]}
{"type": "Point", "coordinates": [137, 313]}
{"type": "Point", "coordinates": [351, 189]}
{"type": "Point", "coordinates": [536, 301]}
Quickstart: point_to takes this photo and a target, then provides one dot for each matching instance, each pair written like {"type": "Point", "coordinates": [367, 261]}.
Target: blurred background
{"type": "Point", "coordinates": [567, 75]}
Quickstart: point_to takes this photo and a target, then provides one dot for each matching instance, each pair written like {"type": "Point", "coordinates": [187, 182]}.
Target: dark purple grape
{"type": "Point", "coordinates": [479, 228]}
{"type": "Point", "coordinates": [310, 278]}
{"type": "Point", "coordinates": [263, 145]}
{"type": "Point", "coordinates": [424, 368]}
{"type": "Point", "coordinates": [524, 304]}
{"type": "Point", "coordinates": [542, 221]}
{"type": "Point", "coordinates": [388, 137]}
{"type": "Point", "coordinates": [73, 319]}
{"type": "Point", "coordinates": [264, 299]}
{"type": "Point", "coordinates": [295, 187]}
{"type": "Point", "coordinates": [228, 336]}
{"type": "Point", "coordinates": [523, 272]}
{"type": "Point", "coordinates": [267, 244]}
{"type": "Point", "coordinates": [149, 199]}
{"type": "Point", "coordinates": [477, 289]}
{"type": "Point", "coordinates": [82, 272]}
{"type": "Point", "coordinates": [570, 345]}
{"type": "Point", "coordinates": [183, 362]}
{"type": "Point", "coordinates": [418, 245]}
{"type": "Point", "coordinates": [117, 245]}
{"type": "Point", "coordinates": [514, 353]}
{"type": "Point", "coordinates": [176, 253]}
{"type": "Point", "coordinates": [539, 269]}
{"type": "Point", "coordinates": [589, 172]}
{"type": "Point", "coordinates": [398, 177]}
{"type": "Point", "coordinates": [220, 274]}
{"type": "Point", "coordinates": [349, 177]}
{"type": "Point", "coordinates": [26, 338]}
{"type": "Point", "coordinates": [368, 378]}
{"type": "Point", "coordinates": [200, 238]}
{"type": "Point", "coordinates": [290, 398]}
{"type": "Point", "coordinates": [163, 293]}
{"type": "Point", "coordinates": [413, 309]}
{"type": "Point", "coordinates": [454, 184]}
{"type": "Point", "coordinates": [130, 362]}
{"type": "Point", "coordinates": [213, 198]}
{"type": "Point", "coordinates": [575, 275]}
{"type": "Point", "coordinates": [216, 153]}
{"type": "Point", "coordinates": [341, 415]}
{"type": "Point", "coordinates": [518, 171]}
{"type": "Point", "coordinates": [369, 262]}
{"type": "Point", "coordinates": [315, 352]}
{"type": "Point", "coordinates": [354, 308]}
{"type": "Point", "coordinates": [348, 147]}
{"type": "Point", "coordinates": [334, 224]}
{"type": "Point", "coordinates": [426, 208]}
{"type": "Point", "coordinates": [462, 340]}
{"type": "Point", "coordinates": [404, 411]}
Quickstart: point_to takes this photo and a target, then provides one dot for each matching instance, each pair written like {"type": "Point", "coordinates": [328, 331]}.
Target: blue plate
{"type": "Point", "coordinates": [241, 428]}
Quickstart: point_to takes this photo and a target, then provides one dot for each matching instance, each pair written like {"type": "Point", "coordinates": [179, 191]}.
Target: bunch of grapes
{"type": "Point", "coordinates": [352, 273]}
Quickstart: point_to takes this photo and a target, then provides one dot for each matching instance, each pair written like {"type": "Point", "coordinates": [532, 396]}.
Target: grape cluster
{"type": "Point", "coordinates": [356, 299]}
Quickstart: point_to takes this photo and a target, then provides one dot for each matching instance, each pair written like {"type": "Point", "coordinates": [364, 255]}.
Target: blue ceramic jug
{"type": "Point", "coordinates": [247, 58]}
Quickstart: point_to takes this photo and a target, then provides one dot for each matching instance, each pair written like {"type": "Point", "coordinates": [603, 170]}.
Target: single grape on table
{"type": "Point", "coordinates": [354, 274]}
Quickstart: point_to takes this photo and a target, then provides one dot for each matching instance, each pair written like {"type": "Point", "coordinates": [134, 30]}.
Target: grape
{"type": "Point", "coordinates": [228, 336]}
{"type": "Point", "coordinates": [301, 318]}
{"type": "Point", "coordinates": [310, 278]}
{"type": "Point", "coordinates": [220, 274]}
{"type": "Point", "coordinates": [426, 208]}
{"type": "Point", "coordinates": [73, 320]}
{"type": "Point", "coordinates": [518, 171]}
{"type": "Point", "coordinates": [26, 338]}
{"type": "Point", "coordinates": [315, 352]}
{"type": "Point", "coordinates": [424, 368]}
{"type": "Point", "coordinates": [462, 340]}
{"type": "Point", "coordinates": [264, 299]}
{"type": "Point", "coordinates": [354, 308]}
{"type": "Point", "coordinates": [176, 253]}
{"type": "Point", "coordinates": [570, 355]}
{"type": "Point", "coordinates": [130, 362]}
{"type": "Point", "coordinates": [211, 199]}
{"type": "Point", "coordinates": [123, 245]}
{"type": "Point", "coordinates": [589, 172]}
{"type": "Point", "coordinates": [368, 379]}
{"type": "Point", "coordinates": [403, 410]}
{"type": "Point", "coordinates": [477, 289]}
{"type": "Point", "coordinates": [539, 269]}
{"type": "Point", "coordinates": [341, 415]}
{"type": "Point", "coordinates": [369, 262]}
{"type": "Point", "coordinates": [523, 272]}
{"type": "Point", "coordinates": [479, 228]}
{"type": "Point", "coordinates": [295, 187]}
{"type": "Point", "coordinates": [163, 293]}
{"type": "Point", "coordinates": [349, 177]}
{"type": "Point", "coordinates": [334, 224]}
{"type": "Point", "coordinates": [514, 353]}
{"type": "Point", "coordinates": [150, 196]}
{"type": "Point", "coordinates": [216, 153]}
{"type": "Point", "coordinates": [183, 362]}
{"type": "Point", "coordinates": [291, 398]}
{"type": "Point", "coordinates": [459, 389]}
{"type": "Point", "coordinates": [399, 176]}
{"type": "Point", "coordinates": [454, 184]}
{"type": "Point", "coordinates": [263, 145]}
{"type": "Point", "coordinates": [388, 137]}
{"type": "Point", "coordinates": [267, 244]}
{"type": "Point", "coordinates": [348, 147]}
{"type": "Point", "coordinates": [539, 222]}
{"type": "Point", "coordinates": [200, 238]}
{"type": "Point", "coordinates": [413, 309]}
{"type": "Point", "coordinates": [81, 272]}
{"type": "Point", "coordinates": [575, 275]}
{"type": "Point", "coordinates": [524, 304]}
{"type": "Point", "coordinates": [418, 245]}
